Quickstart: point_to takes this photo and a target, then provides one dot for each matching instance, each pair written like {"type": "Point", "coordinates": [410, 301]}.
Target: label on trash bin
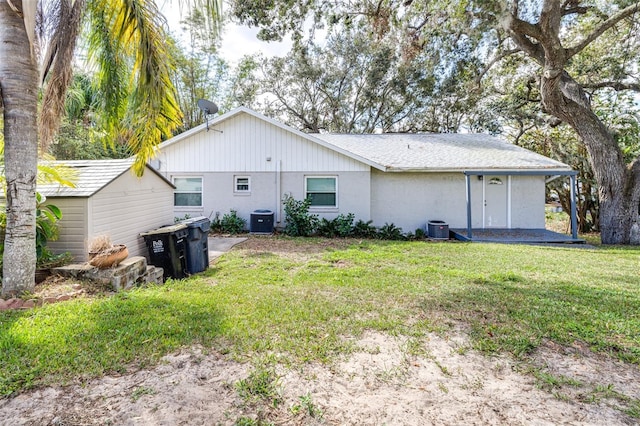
{"type": "Point", "coordinates": [157, 246]}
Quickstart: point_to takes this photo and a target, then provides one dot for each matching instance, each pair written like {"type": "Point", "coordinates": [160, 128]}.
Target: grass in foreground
{"type": "Point", "coordinates": [301, 306]}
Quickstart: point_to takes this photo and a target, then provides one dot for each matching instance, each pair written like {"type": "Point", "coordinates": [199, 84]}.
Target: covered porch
{"type": "Point", "coordinates": [517, 235]}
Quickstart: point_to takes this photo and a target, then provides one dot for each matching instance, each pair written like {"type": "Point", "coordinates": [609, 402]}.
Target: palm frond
{"type": "Point", "coordinates": [50, 171]}
{"type": "Point", "coordinates": [58, 70]}
{"type": "Point", "coordinates": [143, 107]}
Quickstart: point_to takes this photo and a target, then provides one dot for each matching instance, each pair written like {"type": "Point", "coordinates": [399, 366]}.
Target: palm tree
{"type": "Point", "coordinates": [126, 40]}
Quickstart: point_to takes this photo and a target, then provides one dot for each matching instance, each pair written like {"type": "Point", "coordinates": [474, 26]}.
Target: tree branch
{"type": "Point", "coordinates": [604, 26]}
{"type": "Point", "coordinates": [522, 33]}
{"type": "Point", "coordinates": [581, 10]}
{"type": "Point", "coordinates": [497, 58]}
{"type": "Point", "coordinates": [615, 85]}
{"type": "Point", "coordinates": [570, 7]}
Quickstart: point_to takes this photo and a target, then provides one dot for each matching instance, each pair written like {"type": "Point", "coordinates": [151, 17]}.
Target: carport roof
{"type": "Point", "coordinates": [93, 175]}
{"type": "Point", "coordinates": [441, 152]}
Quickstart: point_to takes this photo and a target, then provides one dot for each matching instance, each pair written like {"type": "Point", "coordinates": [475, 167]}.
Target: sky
{"type": "Point", "coordinates": [236, 40]}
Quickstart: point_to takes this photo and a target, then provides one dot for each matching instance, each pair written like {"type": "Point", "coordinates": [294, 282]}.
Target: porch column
{"type": "Point", "coordinates": [574, 216]}
{"type": "Point", "coordinates": [468, 182]}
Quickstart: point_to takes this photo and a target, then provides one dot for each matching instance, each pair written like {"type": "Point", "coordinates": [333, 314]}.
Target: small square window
{"type": "Point", "coordinates": [242, 184]}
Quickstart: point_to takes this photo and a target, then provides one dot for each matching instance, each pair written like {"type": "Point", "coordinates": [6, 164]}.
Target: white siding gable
{"type": "Point", "coordinates": [246, 143]}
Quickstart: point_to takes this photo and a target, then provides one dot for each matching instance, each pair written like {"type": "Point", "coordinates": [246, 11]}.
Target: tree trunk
{"type": "Point", "coordinates": [618, 186]}
{"type": "Point", "coordinates": [18, 88]}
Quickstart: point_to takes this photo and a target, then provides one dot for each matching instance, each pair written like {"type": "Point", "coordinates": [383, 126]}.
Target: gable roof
{"type": "Point", "coordinates": [93, 175]}
{"type": "Point", "coordinates": [244, 110]}
{"type": "Point", "coordinates": [420, 152]}
{"type": "Point", "coordinates": [442, 152]}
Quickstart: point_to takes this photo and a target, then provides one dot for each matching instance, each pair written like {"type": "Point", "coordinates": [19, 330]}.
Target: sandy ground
{"type": "Point", "coordinates": [389, 380]}
{"type": "Point", "coordinates": [381, 384]}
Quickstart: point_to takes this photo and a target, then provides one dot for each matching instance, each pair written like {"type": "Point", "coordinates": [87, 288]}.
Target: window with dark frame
{"type": "Point", "coordinates": [188, 192]}
{"type": "Point", "coordinates": [242, 184]}
{"type": "Point", "coordinates": [322, 190]}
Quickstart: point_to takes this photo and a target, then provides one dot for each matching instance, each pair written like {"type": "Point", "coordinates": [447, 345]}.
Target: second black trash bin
{"type": "Point", "coordinates": [167, 249]}
{"type": "Point", "coordinates": [197, 244]}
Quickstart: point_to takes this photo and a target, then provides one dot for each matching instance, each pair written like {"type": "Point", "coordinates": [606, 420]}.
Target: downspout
{"type": "Point", "coordinates": [468, 181]}
{"type": "Point", "coordinates": [278, 191]}
{"type": "Point", "coordinates": [508, 201]}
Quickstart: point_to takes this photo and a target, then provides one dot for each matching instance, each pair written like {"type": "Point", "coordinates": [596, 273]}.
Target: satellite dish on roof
{"type": "Point", "coordinates": [207, 108]}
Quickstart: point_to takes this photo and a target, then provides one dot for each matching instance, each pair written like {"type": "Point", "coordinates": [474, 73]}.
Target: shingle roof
{"type": "Point", "coordinates": [440, 152]}
{"type": "Point", "coordinates": [93, 175]}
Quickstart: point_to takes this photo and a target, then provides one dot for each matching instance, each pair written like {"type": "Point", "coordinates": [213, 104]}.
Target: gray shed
{"type": "Point", "coordinates": [109, 200]}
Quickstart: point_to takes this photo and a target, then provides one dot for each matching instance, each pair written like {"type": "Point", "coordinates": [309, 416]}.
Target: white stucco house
{"type": "Point", "coordinates": [245, 161]}
{"type": "Point", "coordinates": [109, 199]}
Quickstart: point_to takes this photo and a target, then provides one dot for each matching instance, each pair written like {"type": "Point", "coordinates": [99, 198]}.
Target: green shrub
{"type": "Point", "coordinates": [47, 217]}
{"type": "Point", "coordinates": [299, 223]}
{"type": "Point", "coordinates": [364, 229]}
{"type": "Point", "coordinates": [216, 224]}
{"type": "Point", "coordinates": [420, 234]}
{"type": "Point", "coordinates": [341, 226]}
{"type": "Point", "coordinates": [327, 228]}
{"type": "Point", "coordinates": [177, 219]}
{"type": "Point", "coordinates": [344, 224]}
{"type": "Point", "coordinates": [231, 223]}
{"type": "Point", "coordinates": [390, 232]}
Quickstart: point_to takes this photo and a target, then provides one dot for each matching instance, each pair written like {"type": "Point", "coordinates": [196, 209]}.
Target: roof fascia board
{"type": "Point", "coordinates": [523, 172]}
{"type": "Point", "coordinates": [513, 172]}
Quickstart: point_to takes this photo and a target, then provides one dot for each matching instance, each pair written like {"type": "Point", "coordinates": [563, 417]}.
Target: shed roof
{"type": "Point", "coordinates": [93, 175]}
{"type": "Point", "coordinates": [441, 152]}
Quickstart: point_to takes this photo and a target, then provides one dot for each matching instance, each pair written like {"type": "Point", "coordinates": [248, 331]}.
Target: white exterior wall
{"type": "Point", "coordinates": [410, 200]}
{"type": "Point", "coordinates": [72, 228]}
{"type": "Point", "coordinates": [219, 196]}
{"type": "Point", "coordinates": [269, 155]}
{"type": "Point", "coordinates": [128, 206]}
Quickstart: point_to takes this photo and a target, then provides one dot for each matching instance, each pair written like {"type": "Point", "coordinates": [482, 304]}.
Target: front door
{"type": "Point", "coordinates": [495, 210]}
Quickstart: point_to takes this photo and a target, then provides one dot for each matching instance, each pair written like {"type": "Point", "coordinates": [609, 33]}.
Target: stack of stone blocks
{"type": "Point", "coordinates": [131, 272]}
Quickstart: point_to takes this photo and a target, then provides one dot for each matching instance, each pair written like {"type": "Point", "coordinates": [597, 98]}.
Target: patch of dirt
{"type": "Point", "coordinates": [389, 380]}
{"type": "Point", "coordinates": [56, 285]}
{"type": "Point", "coordinates": [298, 250]}
{"type": "Point", "coordinates": [274, 244]}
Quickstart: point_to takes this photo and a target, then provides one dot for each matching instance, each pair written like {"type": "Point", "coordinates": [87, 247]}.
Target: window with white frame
{"type": "Point", "coordinates": [322, 190]}
{"type": "Point", "coordinates": [188, 192]}
{"type": "Point", "coordinates": [242, 184]}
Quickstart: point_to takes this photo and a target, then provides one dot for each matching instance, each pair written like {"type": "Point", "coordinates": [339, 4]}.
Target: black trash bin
{"type": "Point", "coordinates": [167, 249]}
{"type": "Point", "coordinates": [438, 229]}
{"type": "Point", "coordinates": [197, 243]}
{"type": "Point", "coordinates": [261, 222]}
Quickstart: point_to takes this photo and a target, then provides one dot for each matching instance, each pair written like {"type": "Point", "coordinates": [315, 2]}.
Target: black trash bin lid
{"type": "Point", "coordinates": [165, 229]}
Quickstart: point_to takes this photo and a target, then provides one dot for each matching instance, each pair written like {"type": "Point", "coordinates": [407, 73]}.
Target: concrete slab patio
{"type": "Point", "coordinates": [220, 245]}
{"type": "Point", "coordinates": [516, 236]}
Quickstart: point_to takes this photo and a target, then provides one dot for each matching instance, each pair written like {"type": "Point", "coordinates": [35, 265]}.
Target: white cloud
{"type": "Point", "coordinates": [236, 41]}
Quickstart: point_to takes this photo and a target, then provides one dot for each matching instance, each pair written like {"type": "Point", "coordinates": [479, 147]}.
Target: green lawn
{"type": "Point", "coordinates": [300, 306]}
